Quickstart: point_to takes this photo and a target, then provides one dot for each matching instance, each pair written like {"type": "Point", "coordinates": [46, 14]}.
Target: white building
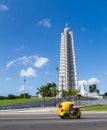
{"type": "Point", "coordinates": [67, 70]}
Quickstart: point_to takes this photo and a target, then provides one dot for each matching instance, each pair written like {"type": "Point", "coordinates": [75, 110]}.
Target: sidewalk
{"type": "Point", "coordinates": [38, 110]}
{"type": "Point", "coordinates": [41, 110]}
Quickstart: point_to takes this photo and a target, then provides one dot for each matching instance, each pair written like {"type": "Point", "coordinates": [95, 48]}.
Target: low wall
{"type": "Point", "coordinates": [55, 102]}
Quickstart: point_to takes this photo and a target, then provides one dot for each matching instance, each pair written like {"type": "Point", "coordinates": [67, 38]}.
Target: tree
{"type": "Point", "coordinates": [24, 95]}
{"type": "Point", "coordinates": [42, 91]}
{"type": "Point", "coordinates": [54, 91]}
{"type": "Point", "coordinates": [64, 93]}
{"type": "Point", "coordinates": [72, 92]}
{"type": "Point", "coordinates": [11, 96]}
{"type": "Point", "coordinates": [105, 94]}
{"type": "Point", "coordinates": [48, 90]}
{"type": "Point", "coordinates": [92, 88]}
{"type": "Point", "coordinates": [51, 89]}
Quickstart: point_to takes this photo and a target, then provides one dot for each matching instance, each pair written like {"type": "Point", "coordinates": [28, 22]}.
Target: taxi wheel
{"type": "Point", "coordinates": [66, 116]}
{"type": "Point", "coordinates": [78, 117]}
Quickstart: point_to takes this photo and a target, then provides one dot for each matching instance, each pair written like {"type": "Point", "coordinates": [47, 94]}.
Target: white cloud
{"type": "Point", "coordinates": [25, 60]}
{"type": "Point", "coordinates": [3, 7]}
{"type": "Point", "coordinates": [45, 22]}
{"type": "Point", "coordinates": [10, 63]}
{"type": "Point", "coordinates": [41, 61]}
{"type": "Point", "coordinates": [22, 88]}
{"type": "Point", "coordinates": [88, 82]}
{"type": "Point", "coordinates": [32, 60]}
{"type": "Point", "coordinates": [93, 81]}
{"type": "Point", "coordinates": [29, 72]}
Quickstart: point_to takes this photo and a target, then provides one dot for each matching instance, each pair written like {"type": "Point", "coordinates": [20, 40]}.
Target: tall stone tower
{"type": "Point", "coordinates": [67, 70]}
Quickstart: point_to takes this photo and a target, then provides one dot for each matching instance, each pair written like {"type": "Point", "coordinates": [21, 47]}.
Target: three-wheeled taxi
{"type": "Point", "coordinates": [67, 110]}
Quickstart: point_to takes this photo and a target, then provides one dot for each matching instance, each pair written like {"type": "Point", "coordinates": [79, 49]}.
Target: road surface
{"type": "Point", "coordinates": [50, 121]}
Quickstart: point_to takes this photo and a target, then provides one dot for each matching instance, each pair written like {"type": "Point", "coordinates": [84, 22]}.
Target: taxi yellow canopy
{"type": "Point", "coordinates": [66, 105]}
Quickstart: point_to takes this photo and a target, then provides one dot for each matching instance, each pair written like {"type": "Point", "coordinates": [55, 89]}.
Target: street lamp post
{"type": "Point", "coordinates": [41, 101]}
{"type": "Point", "coordinates": [62, 83]}
{"type": "Point", "coordinates": [24, 80]}
{"type": "Point", "coordinates": [57, 70]}
{"type": "Point", "coordinates": [62, 88]}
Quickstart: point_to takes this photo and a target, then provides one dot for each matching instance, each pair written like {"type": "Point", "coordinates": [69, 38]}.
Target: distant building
{"type": "Point", "coordinates": [67, 70]}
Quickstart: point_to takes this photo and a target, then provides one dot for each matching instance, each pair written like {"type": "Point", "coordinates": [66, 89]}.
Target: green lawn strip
{"type": "Point", "coordinates": [94, 108]}
{"type": "Point", "coordinates": [17, 101]}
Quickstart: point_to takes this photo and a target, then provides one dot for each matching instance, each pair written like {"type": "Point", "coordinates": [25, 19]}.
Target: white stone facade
{"type": "Point", "coordinates": [67, 70]}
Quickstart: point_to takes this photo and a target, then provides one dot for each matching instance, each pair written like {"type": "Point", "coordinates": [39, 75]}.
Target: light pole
{"type": "Point", "coordinates": [62, 87]}
{"type": "Point", "coordinates": [62, 82]}
{"type": "Point", "coordinates": [57, 70]}
{"type": "Point", "coordinates": [24, 80]}
{"type": "Point", "coordinates": [41, 101]}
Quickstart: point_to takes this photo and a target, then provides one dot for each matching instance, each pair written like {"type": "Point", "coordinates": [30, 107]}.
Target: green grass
{"type": "Point", "coordinates": [95, 108]}
{"type": "Point", "coordinates": [16, 101]}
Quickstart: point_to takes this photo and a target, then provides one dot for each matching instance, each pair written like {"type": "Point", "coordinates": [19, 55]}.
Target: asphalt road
{"type": "Point", "coordinates": [36, 121]}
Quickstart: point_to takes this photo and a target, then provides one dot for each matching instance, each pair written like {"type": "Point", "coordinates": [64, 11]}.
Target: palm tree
{"type": "Point", "coordinates": [49, 90]}
{"type": "Point", "coordinates": [42, 91]}
{"type": "Point", "coordinates": [92, 88]}
{"type": "Point", "coordinates": [74, 92]}
{"type": "Point", "coordinates": [55, 92]}
{"type": "Point", "coordinates": [64, 93]}
{"type": "Point", "coordinates": [70, 92]}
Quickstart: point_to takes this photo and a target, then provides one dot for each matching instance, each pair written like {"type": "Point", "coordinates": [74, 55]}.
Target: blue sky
{"type": "Point", "coordinates": [30, 42]}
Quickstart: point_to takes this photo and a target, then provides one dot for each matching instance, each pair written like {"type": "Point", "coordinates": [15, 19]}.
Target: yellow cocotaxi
{"type": "Point", "coordinates": [66, 110]}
